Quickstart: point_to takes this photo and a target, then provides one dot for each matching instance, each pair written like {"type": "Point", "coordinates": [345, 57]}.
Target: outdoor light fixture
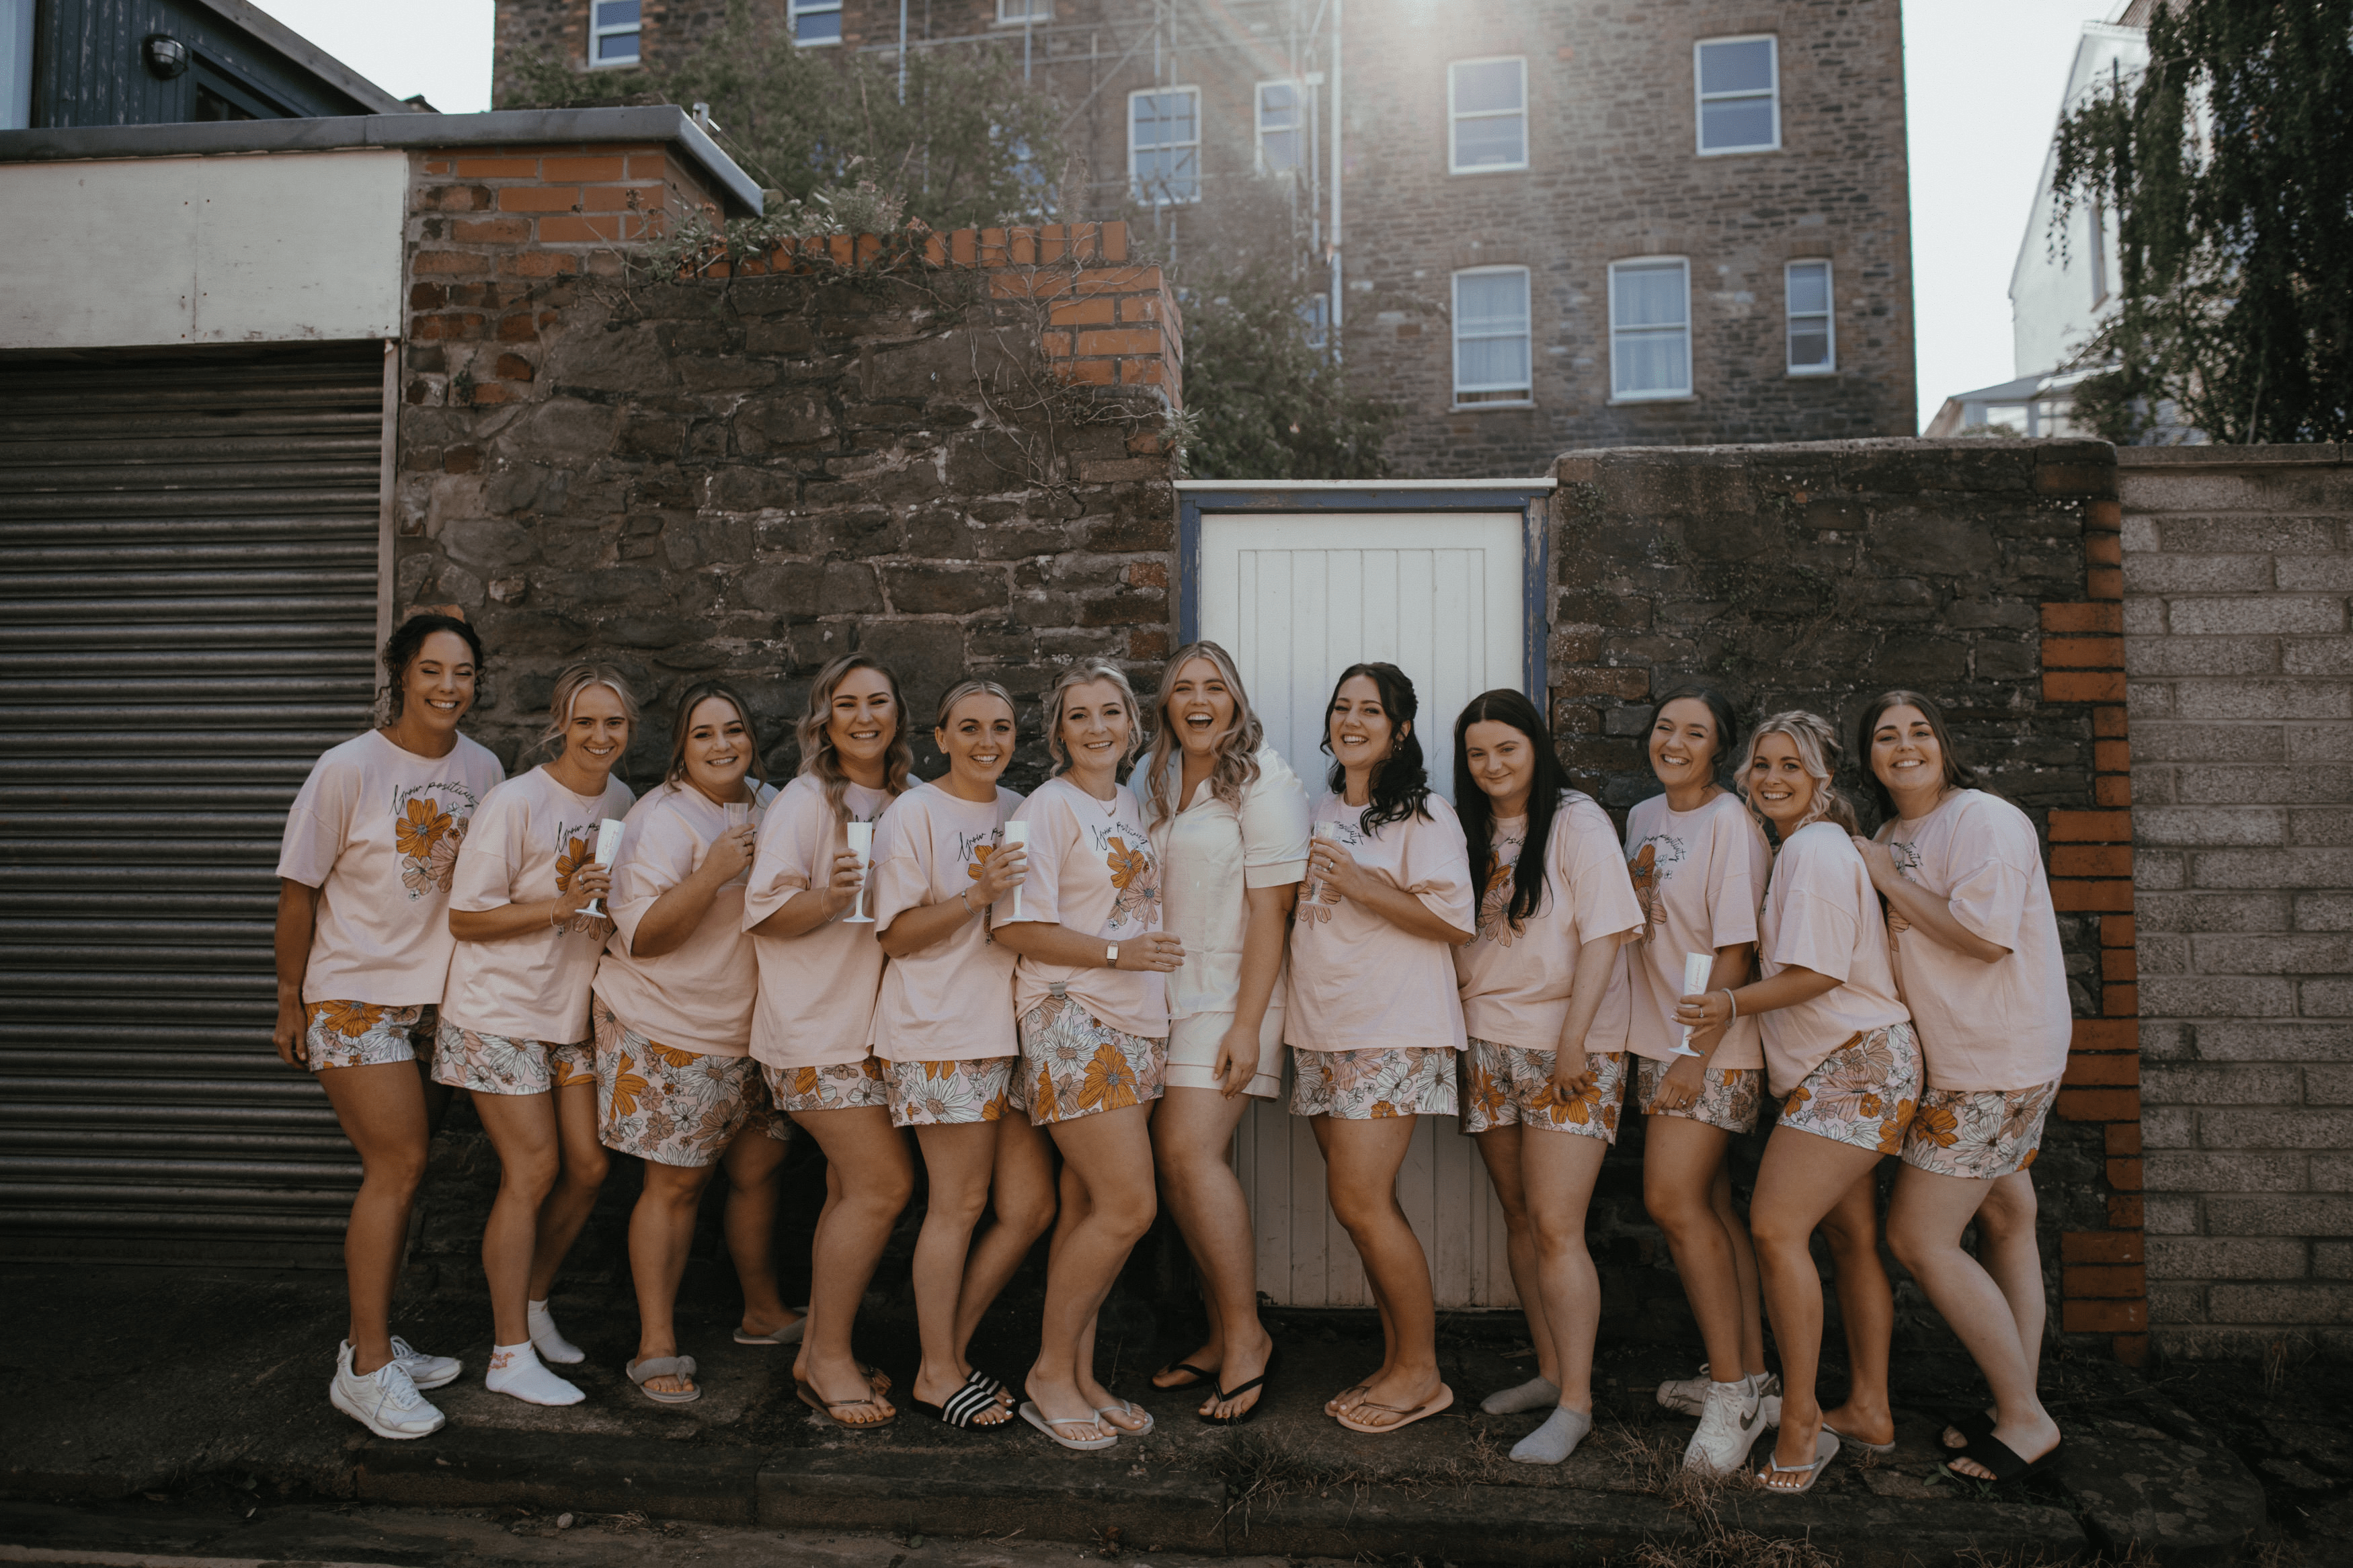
{"type": "Point", "coordinates": [166, 57]}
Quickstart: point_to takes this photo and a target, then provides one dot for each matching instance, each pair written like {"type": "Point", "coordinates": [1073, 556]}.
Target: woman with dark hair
{"type": "Point", "coordinates": [516, 1031]}
{"type": "Point", "coordinates": [1699, 863]}
{"type": "Point", "coordinates": [676, 1084]}
{"type": "Point", "coordinates": [1543, 1057]}
{"type": "Point", "coordinates": [812, 1026]}
{"type": "Point", "coordinates": [363, 948]}
{"type": "Point", "coordinates": [1977, 947]}
{"type": "Point", "coordinates": [1374, 1024]}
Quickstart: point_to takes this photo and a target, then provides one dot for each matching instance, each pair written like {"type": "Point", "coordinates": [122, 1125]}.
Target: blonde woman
{"type": "Point", "coordinates": [1839, 1050]}
{"type": "Point", "coordinates": [812, 1025]}
{"type": "Point", "coordinates": [515, 1030]}
{"type": "Point", "coordinates": [676, 1084]}
{"type": "Point", "coordinates": [1089, 990]}
{"type": "Point", "coordinates": [362, 959]}
{"type": "Point", "coordinates": [1230, 825]}
{"type": "Point", "coordinates": [944, 1029]}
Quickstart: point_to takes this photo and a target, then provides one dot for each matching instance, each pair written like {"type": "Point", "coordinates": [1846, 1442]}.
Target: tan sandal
{"type": "Point", "coordinates": [830, 1408]}
{"type": "Point", "coordinates": [1406, 1415]}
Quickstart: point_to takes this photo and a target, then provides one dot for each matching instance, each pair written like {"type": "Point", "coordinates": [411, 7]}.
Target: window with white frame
{"type": "Point", "coordinates": [1813, 334]}
{"type": "Point", "coordinates": [1650, 329]}
{"type": "Point", "coordinates": [1490, 335]}
{"type": "Point", "coordinates": [1487, 116]}
{"type": "Point", "coordinates": [613, 28]}
{"type": "Point", "coordinates": [1163, 144]}
{"type": "Point", "coordinates": [1737, 82]}
{"type": "Point", "coordinates": [815, 21]}
{"type": "Point", "coordinates": [1018, 12]}
{"type": "Point", "coordinates": [1283, 114]}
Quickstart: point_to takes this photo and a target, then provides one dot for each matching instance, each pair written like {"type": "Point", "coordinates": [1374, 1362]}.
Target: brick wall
{"type": "Point", "coordinates": [1816, 575]}
{"type": "Point", "coordinates": [2237, 565]}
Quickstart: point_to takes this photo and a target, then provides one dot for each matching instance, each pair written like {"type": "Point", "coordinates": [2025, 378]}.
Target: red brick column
{"type": "Point", "coordinates": [2103, 1283]}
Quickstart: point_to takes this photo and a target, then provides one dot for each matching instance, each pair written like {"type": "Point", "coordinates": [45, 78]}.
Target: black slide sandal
{"type": "Point", "coordinates": [975, 1398]}
{"type": "Point", "coordinates": [2002, 1461]}
{"type": "Point", "coordinates": [1273, 1357]}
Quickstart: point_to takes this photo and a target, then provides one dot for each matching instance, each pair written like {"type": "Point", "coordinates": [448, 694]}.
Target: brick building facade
{"type": "Point", "coordinates": [1560, 225]}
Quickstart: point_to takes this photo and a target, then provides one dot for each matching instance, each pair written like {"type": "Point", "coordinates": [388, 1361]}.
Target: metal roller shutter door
{"type": "Point", "coordinates": [187, 608]}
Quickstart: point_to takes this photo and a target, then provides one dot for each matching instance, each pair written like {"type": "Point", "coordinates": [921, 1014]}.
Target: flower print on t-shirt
{"type": "Point", "coordinates": [1316, 910]}
{"type": "Point", "coordinates": [1134, 872]}
{"type": "Point", "coordinates": [1651, 866]}
{"type": "Point", "coordinates": [579, 850]}
{"type": "Point", "coordinates": [1495, 903]}
{"type": "Point", "coordinates": [429, 823]}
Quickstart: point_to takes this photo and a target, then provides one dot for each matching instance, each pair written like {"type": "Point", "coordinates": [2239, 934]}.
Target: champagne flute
{"type": "Point", "coordinates": [1330, 833]}
{"type": "Point", "coordinates": [861, 844]}
{"type": "Point", "coordinates": [1697, 967]}
{"type": "Point", "coordinates": [609, 843]}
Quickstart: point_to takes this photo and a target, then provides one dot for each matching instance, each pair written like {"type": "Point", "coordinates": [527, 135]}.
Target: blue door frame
{"type": "Point", "coordinates": [1530, 498]}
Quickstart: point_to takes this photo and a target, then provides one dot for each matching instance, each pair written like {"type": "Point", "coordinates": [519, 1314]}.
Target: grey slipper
{"type": "Point", "coordinates": [655, 1366]}
{"type": "Point", "coordinates": [1876, 1451]}
{"type": "Point", "coordinates": [1825, 1448]}
{"type": "Point", "coordinates": [790, 1334]}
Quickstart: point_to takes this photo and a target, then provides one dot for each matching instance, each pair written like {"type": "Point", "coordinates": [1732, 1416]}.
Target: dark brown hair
{"type": "Point", "coordinates": [1958, 774]}
{"type": "Point", "coordinates": [1400, 785]}
{"type": "Point", "coordinates": [407, 640]}
{"type": "Point", "coordinates": [688, 701]}
{"type": "Point", "coordinates": [1546, 794]}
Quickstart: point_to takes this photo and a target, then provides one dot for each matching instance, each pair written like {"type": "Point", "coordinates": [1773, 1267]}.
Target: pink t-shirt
{"type": "Point", "coordinates": [528, 838]}
{"type": "Point", "coordinates": [1091, 869]}
{"type": "Point", "coordinates": [376, 829]}
{"type": "Point", "coordinates": [1821, 914]}
{"type": "Point", "coordinates": [698, 995]}
{"type": "Point", "coordinates": [2004, 1024]}
{"type": "Point", "coordinates": [1359, 982]}
{"type": "Point", "coordinates": [953, 1001]}
{"type": "Point", "coordinates": [1698, 877]}
{"type": "Point", "coordinates": [1516, 984]}
{"type": "Point", "coordinates": [817, 989]}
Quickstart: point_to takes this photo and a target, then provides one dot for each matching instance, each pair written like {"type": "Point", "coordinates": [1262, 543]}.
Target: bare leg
{"type": "Point", "coordinates": [1559, 1170]}
{"type": "Point", "coordinates": [876, 1180]}
{"type": "Point", "coordinates": [523, 1128]}
{"type": "Point", "coordinates": [1682, 1160]}
{"type": "Point", "coordinates": [1361, 1161]}
{"type": "Point", "coordinates": [1499, 1147]}
{"type": "Point", "coordinates": [1743, 1265]}
{"type": "Point", "coordinates": [1022, 1190]}
{"type": "Point", "coordinates": [1866, 1309]}
{"type": "Point", "coordinates": [1804, 1177]}
{"type": "Point", "coordinates": [1192, 1133]}
{"type": "Point", "coordinates": [581, 1173]}
{"type": "Point", "coordinates": [1107, 1205]}
{"type": "Point", "coordinates": [661, 1233]}
{"type": "Point", "coordinates": [1924, 1222]}
{"type": "Point", "coordinates": [749, 1221]}
{"type": "Point", "coordinates": [384, 1115]}
{"type": "Point", "coordinates": [957, 1158]}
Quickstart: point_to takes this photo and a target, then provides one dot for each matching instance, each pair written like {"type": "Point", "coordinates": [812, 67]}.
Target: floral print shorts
{"type": "Point", "coordinates": [827, 1086]}
{"type": "Point", "coordinates": [1978, 1133]}
{"type": "Point", "coordinates": [1862, 1094]}
{"type": "Point", "coordinates": [948, 1093]}
{"type": "Point", "coordinates": [501, 1064]}
{"type": "Point", "coordinates": [364, 1034]}
{"type": "Point", "coordinates": [1732, 1099]}
{"type": "Point", "coordinates": [1077, 1067]}
{"type": "Point", "coordinates": [673, 1107]}
{"type": "Point", "coordinates": [1504, 1085]}
{"type": "Point", "coordinates": [1370, 1085]}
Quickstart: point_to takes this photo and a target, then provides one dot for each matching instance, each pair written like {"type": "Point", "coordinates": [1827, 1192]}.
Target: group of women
{"type": "Point", "coordinates": [1072, 998]}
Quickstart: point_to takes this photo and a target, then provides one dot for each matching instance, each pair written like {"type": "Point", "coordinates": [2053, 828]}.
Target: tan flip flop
{"type": "Point", "coordinates": [826, 1407]}
{"type": "Point", "coordinates": [1406, 1415]}
{"type": "Point", "coordinates": [1826, 1448]}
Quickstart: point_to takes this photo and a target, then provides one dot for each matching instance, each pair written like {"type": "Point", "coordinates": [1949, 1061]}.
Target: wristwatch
{"type": "Point", "coordinates": [1111, 955]}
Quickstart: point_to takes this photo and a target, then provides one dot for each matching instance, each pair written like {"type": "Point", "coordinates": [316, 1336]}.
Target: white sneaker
{"type": "Point", "coordinates": [1685, 1395]}
{"type": "Point", "coordinates": [424, 1371]}
{"type": "Point", "coordinates": [383, 1401]}
{"type": "Point", "coordinates": [547, 1339]}
{"type": "Point", "coordinates": [1728, 1428]}
{"type": "Point", "coordinates": [516, 1370]}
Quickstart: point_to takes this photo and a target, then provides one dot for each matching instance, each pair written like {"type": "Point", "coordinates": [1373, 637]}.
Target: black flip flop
{"type": "Point", "coordinates": [1971, 1424]}
{"type": "Point", "coordinates": [976, 1398]}
{"type": "Point", "coordinates": [1273, 1357]}
{"type": "Point", "coordinates": [1199, 1377]}
{"type": "Point", "coordinates": [2000, 1458]}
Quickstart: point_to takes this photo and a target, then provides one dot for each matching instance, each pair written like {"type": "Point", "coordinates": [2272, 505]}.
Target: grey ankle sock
{"type": "Point", "coordinates": [1534, 1395]}
{"type": "Point", "coordinates": [1556, 1439]}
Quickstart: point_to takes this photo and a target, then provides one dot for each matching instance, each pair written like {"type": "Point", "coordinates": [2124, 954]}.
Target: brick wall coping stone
{"type": "Point", "coordinates": [664, 124]}
{"type": "Point", "coordinates": [2315, 454]}
{"type": "Point", "coordinates": [1223, 485]}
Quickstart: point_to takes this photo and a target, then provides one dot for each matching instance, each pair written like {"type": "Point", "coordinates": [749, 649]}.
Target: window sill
{"type": "Point", "coordinates": [615, 65]}
{"type": "Point", "coordinates": [815, 43]}
{"type": "Point", "coordinates": [1491, 408]}
{"type": "Point", "coordinates": [1738, 152]}
{"type": "Point", "coordinates": [1820, 373]}
{"type": "Point", "coordinates": [1641, 399]}
{"type": "Point", "coordinates": [1520, 168]}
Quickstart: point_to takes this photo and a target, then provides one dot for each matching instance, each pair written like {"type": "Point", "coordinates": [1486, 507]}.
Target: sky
{"type": "Point", "coordinates": [1982, 81]}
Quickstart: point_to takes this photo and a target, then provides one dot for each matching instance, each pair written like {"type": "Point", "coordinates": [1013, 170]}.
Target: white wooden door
{"type": "Point", "coordinates": [1296, 600]}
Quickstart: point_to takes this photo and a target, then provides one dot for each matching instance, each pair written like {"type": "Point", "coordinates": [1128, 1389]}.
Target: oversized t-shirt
{"type": "Point", "coordinates": [696, 996]}
{"type": "Point", "coordinates": [528, 839]}
{"type": "Point", "coordinates": [1821, 914]}
{"type": "Point", "coordinates": [1211, 856]}
{"type": "Point", "coordinates": [954, 1000]}
{"type": "Point", "coordinates": [817, 990]}
{"type": "Point", "coordinates": [1516, 983]}
{"type": "Point", "coordinates": [2004, 1024]}
{"type": "Point", "coordinates": [376, 829]}
{"type": "Point", "coordinates": [1359, 982]}
{"type": "Point", "coordinates": [1698, 876]}
{"type": "Point", "coordinates": [1091, 869]}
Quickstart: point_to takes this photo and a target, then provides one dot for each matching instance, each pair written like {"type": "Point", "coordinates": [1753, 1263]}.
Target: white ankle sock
{"type": "Point", "coordinates": [548, 1339]}
{"type": "Point", "coordinates": [1556, 1439]}
{"type": "Point", "coordinates": [516, 1370]}
{"type": "Point", "coordinates": [1537, 1394]}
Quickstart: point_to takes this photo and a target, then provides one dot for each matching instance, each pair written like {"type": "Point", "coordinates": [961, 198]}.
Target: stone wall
{"type": "Point", "coordinates": [2238, 564]}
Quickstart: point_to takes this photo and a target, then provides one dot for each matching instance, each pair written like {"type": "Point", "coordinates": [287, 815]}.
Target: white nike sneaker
{"type": "Point", "coordinates": [424, 1371]}
{"type": "Point", "coordinates": [383, 1401]}
{"type": "Point", "coordinates": [1688, 1395]}
{"type": "Point", "coordinates": [1729, 1425]}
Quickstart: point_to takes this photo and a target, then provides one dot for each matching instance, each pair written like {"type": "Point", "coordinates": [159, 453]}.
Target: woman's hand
{"type": "Point", "coordinates": [1158, 952]}
{"type": "Point", "coordinates": [1237, 1060]}
{"type": "Point", "coordinates": [1335, 870]}
{"type": "Point", "coordinates": [291, 1034]}
{"type": "Point", "coordinates": [731, 854]}
{"type": "Point", "coordinates": [1685, 1081]}
{"type": "Point", "coordinates": [1574, 1074]}
{"type": "Point", "coordinates": [589, 883]}
{"type": "Point", "coordinates": [1001, 873]}
{"type": "Point", "coordinates": [841, 890]}
{"type": "Point", "coordinates": [1709, 1010]}
{"type": "Point", "coordinates": [1880, 861]}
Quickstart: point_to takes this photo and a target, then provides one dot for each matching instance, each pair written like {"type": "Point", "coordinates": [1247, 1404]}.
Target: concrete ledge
{"type": "Point", "coordinates": [1062, 1496]}
{"type": "Point", "coordinates": [457, 1468]}
{"type": "Point", "coordinates": [2316, 453]}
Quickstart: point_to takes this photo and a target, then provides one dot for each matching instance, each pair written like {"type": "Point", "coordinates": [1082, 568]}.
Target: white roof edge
{"type": "Point", "coordinates": [1543, 484]}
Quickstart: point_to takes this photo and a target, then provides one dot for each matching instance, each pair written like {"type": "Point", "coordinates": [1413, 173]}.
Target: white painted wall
{"type": "Point", "coordinates": [250, 248]}
{"type": "Point", "coordinates": [2054, 304]}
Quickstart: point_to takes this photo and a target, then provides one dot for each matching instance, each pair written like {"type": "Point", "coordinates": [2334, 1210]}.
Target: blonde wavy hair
{"type": "Point", "coordinates": [1234, 768]}
{"type": "Point", "coordinates": [957, 693]}
{"type": "Point", "coordinates": [815, 731]}
{"type": "Point", "coordinates": [1084, 672]}
{"type": "Point", "coordinates": [568, 688]}
{"type": "Point", "coordinates": [1817, 753]}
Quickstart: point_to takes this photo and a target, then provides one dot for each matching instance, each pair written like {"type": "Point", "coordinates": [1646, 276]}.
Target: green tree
{"type": "Point", "coordinates": [2229, 164]}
